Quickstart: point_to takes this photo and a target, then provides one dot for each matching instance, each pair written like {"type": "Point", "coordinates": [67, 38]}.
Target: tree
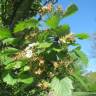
{"type": "Point", "coordinates": [35, 61]}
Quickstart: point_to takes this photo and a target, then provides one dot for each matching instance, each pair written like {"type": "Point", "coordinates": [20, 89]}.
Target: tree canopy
{"type": "Point", "coordinates": [36, 61]}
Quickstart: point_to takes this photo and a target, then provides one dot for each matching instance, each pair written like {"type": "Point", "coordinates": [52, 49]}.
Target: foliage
{"type": "Point", "coordinates": [82, 36]}
{"type": "Point", "coordinates": [30, 23]}
{"type": "Point", "coordinates": [70, 10]}
{"type": "Point", "coordinates": [36, 62]}
{"type": "Point", "coordinates": [55, 19]}
{"type": "Point", "coordinates": [4, 33]}
{"type": "Point", "coordinates": [82, 56]}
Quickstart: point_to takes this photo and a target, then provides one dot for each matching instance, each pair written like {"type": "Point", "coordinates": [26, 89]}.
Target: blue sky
{"type": "Point", "coordinates": [83, 21]}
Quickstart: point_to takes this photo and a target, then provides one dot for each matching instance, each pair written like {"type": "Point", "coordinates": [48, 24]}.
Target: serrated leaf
{"type": "Point", "coordinates": [61, 87]}
{"type": "Point", "coordinates": [4, 33]}
{"type": "Point", "coordinates": [82, 36]}
{"type": "Point", "coordinates": [67, 87]}
{"type": "Point", "coordinates": [26, 24]}
{"type": "Point", "coordinates": [70, 10]}
{"type": "Point", "coordinates": [53, 21]}
{"type": "Point", "coordinates": [55, 86]}
{"type": "Point", "coordinates": [9, 79]}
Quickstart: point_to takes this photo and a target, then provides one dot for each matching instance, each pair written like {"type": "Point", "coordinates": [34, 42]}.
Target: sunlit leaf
{"type": "Point", "coordinates": [53, 21]}
{"type": "Point", "coordinates": [26, 68]}
{"type": "Point", "coordinates": [62, 87]}
{"type": "Point", "coordinates": [82, 36]}
{"type": "Point", "coordinates": [58, 49]}
{"type": "Point", "coordinates": [9, 79]}
{"type": "Point", "coordinates": [27, 80]}
{"type": "Point", "coordinates": [44, 45]}
{"type": "Point", "coordinates": [4, 33]}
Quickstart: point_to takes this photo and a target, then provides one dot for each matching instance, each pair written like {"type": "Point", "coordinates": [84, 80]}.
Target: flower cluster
{"type": "Point", "coordinates": [45, 9]}
{"type": "Point", "coordinates": [59, 9]}
{"type": "Point", "coordinates": [43, 84]}
{"type": "Point", "coordinates": [70, 38]}
{"type": "Point", "coordinates": [30, 49]}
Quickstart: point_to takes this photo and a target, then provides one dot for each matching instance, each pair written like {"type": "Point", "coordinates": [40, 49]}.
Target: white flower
{"type": "Point", "coordinates": [29, 48]}
{"type": "Point", "coordinates": [32, 45]}
{"type": "Point", "coordinates": [62, 40]}
{"type": "Point", "coordinates": [28, 53]}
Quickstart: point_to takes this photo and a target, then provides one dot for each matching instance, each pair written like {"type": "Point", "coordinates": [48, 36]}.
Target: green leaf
{"type": "Point", "coordinates": [10, 41]}
{"type": "Point", "coordinates": [62, 30]}
{"type": "Point", "coordinates": [55, 85]}
{"type": "Point", "coordinates": [26, 68]}
{"type": "Point", "coordinates": [26, 24]}
{"type": "Point", "coordinates": [53, 21]}
{"type": "Point", "coordinates": [42, 36]}
{"type": "Point", "coordinates": [27, 80]}
{"type": "Point", "coordinates": [4, 59]}
{"type": "Point", "coordinates": [70, 10]}
{"type": "Point", "coordinates": [9, 79]}
{"type": "Point", "coordinates": [15, 65]}
{"type": "Point", "coordinates": [61, 87]}
{"type": "Point", "coordinates": [44, 45]}
{"type": "Point", "coordinates": [82, 36]}
{"type": "Point", "coordinates": [82, 56]}
{"type": "Point", "coordinates": [4, 33]}
{"type": "Point", "coordinates": [9, 50]}
{"type": "Point", "coordinates": [58, 31]}
{"type": "Point", "coordinates": [58, 49]}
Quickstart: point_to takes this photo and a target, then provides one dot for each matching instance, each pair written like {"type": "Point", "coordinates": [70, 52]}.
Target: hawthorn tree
{"type": "Point", "coordinates": [36, 61]}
